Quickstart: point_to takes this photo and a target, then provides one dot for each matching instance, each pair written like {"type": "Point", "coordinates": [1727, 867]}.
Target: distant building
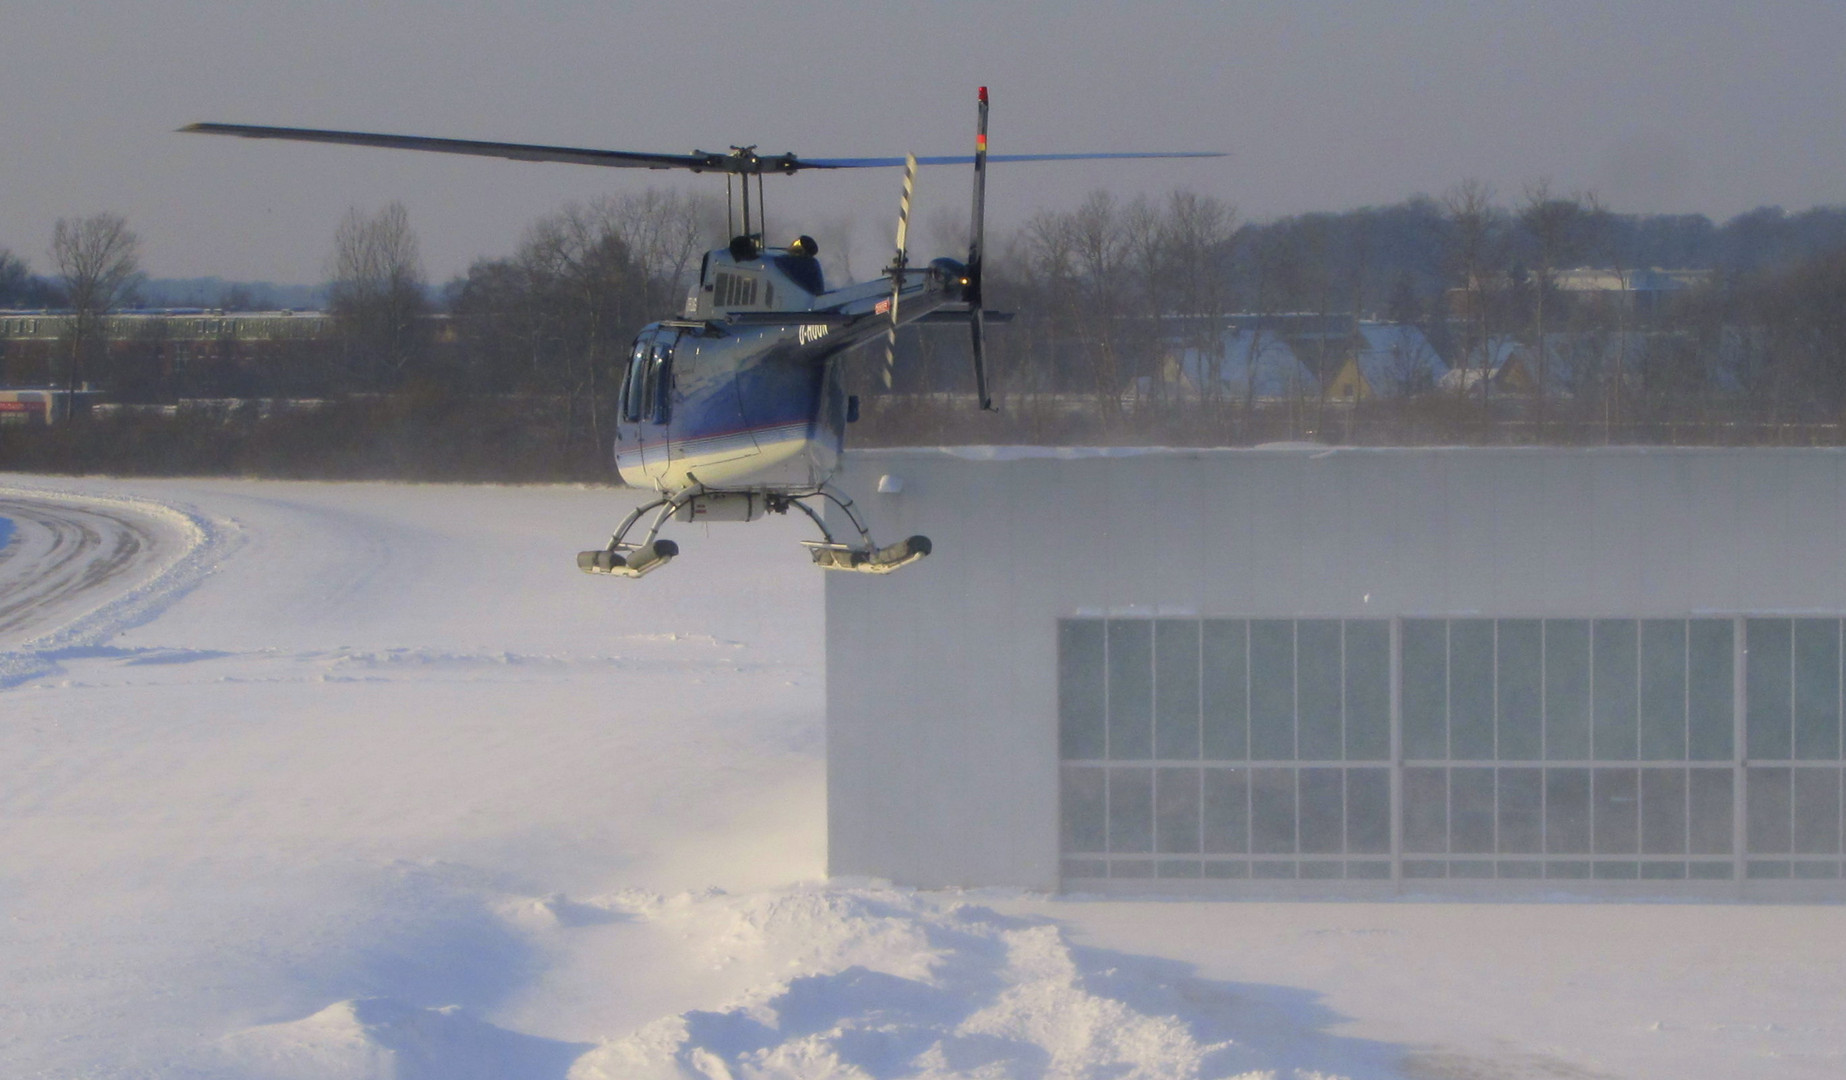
{"type": "Point", "coordinates": [1643, 291]}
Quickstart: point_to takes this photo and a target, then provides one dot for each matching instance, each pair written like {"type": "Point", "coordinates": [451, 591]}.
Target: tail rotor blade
{"type": "Point", "coordinates": [978, 327]}
{"type": "Point", "coordinates": [897, 265]}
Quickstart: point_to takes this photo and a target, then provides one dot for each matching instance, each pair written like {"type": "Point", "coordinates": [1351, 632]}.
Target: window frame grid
{"type": "Point", "coordinates": [1744, 862]}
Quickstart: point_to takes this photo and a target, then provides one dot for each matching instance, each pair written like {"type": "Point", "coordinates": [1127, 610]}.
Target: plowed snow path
{"type": "Point", "coordinates": [61, 554]}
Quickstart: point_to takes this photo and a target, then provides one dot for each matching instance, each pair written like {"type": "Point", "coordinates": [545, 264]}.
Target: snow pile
{"type": "Point", "coordinates": [893, 984]}
{"type": "Point", "coordinates": [876, 983]}
{"type": "Point", "coordinates": [389, 1040]}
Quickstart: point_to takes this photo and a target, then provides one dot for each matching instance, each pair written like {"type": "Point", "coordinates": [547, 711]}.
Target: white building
{"type": "Point", "coordinates": [1357, 672]}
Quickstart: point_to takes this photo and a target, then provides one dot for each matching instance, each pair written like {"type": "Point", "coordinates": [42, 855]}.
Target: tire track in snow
{"type": "Point", "coordinates": [68, 574]}
{"type": "Point", "coordinates": [63, 551]}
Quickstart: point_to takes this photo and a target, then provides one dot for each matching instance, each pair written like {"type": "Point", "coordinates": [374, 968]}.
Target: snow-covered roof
{"type": "Point", "coordinates": [1252, 363]}
{"type": "Point", "coordinates": [1397, 360]}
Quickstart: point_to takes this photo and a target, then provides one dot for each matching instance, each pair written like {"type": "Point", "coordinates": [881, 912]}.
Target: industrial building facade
{"type": "Point", "coordinates": [1298, 672]}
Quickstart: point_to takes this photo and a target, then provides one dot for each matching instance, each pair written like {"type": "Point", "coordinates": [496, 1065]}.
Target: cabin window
{"type": "Point", "coordinates": [658, 386]}
{"type": "Point", "coordinates": [633, 386]}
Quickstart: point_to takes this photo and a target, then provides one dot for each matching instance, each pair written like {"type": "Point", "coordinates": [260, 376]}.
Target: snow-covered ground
{"type": "Point", "coordinates": [316, 780]}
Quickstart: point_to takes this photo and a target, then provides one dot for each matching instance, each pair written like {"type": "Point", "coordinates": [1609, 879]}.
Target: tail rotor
{"type": "Point", "coordinates": [898, 263]}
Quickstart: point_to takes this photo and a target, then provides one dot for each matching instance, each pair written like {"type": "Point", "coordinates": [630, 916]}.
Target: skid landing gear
{"type": "Point", "coordinates": [624, 559]}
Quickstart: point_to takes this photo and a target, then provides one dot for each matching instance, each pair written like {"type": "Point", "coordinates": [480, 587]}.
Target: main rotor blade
{"type": "Point", "coordinates": [968, 159]}
{"type": "Point", "coordinates": [744, 162]}
{"type": "Point", "coordinates": [620, 159]}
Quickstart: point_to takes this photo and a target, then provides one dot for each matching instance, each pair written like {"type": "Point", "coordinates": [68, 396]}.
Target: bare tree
{"type": "Point", "coordinates": [376, 294]}
{"type": "Point", "coordinates": [588, 294]}
{"type": "Point", "coordinates": [1469, 209]}
{"type": "Point", "coordinates": [1198, 229]}
{"type": "Point", "coordinates": [15, 279]}
{"type": "Point", "coordinates": [99, 259]}
{"type": "Point", "coordinates": [1559, 229]}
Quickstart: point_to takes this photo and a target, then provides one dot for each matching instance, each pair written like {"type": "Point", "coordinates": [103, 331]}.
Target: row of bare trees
{"type": "Point", "coordinates": [1108, 294]}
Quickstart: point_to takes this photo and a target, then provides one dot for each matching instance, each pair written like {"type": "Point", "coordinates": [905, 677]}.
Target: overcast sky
{"type": "Point", "coordinates": [1657, 105]}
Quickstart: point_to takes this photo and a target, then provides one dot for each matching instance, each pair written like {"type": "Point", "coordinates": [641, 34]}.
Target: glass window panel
{"type": "Point", "coordinates": [1520, 870]}
{"type": "Point", "coordinates": [1817, 811]}
{"type": "Point", "coordinates": [1774, 868]}
{"type": "Point", "coordinates": [1084, 868]}
{"type": "Point", "coordinates": [1663, 811]}
{"type": "Point", "coordinates": [1663, 871]}
{"type": "Point", "coordinates": [1471, 811]}
{"type": "Point", "coordinates": [1176, 811]}
{"type": "Point", "coordinates": [1084, 809]}
{"type": "Point", "coordinates": [1663, 690]}
{"type": "Point", "coordinates": [1567, 811]}
{"type": "Point", "coordinates": [1131, 689]}
{"type": "Point", "coordinates": [1131, 810]}
{"type": "Point", "coordinates": [1426, 868]}
{"type": "Point", "coordinates": [1471, 868]}
{"type": "Point", "coordinates": [1368, 690]}
{"type": "Point", "coordinates": [1080, 690]}
{"type": "Point", "coordinates": [1767, 826]}
{"type": "Point", "coordinates": [1227, 811]}
{"type": "Point", "coordinates": [1275, 870]}
{"type": "Point", "coordinates": [1613, 680]}
{"type": "Point", "coordinates": [1567, 690]}
{"type": "Point", "coordinates": [1522, 811]}
{"type": "Point", "coordinates": [1426, 811]}
{"type": "Point", "coordinates": [1323, 811]}
{"type": "Point", "coordinates": [1709, 871]}
{"type": "Point", "coordinates": [1615, 811]}
{"type": "Point", "coordinates": [1424, 688]}
{"type": "Point", "coordinates": [1178, 868]}
{"type": "Point", "coordinates": [1368, 811]}
{"type": "Point", "coordinates": [1569, 870]}
{"type": "Point", "coordinates": [1176, 688]}
{"type": "Point", "coordinates": [1272, 690]}
{"type": "Point", "coordinates": [1222, 683]}
{"type": "Point", "coordinates": [1618, 871]}
{"type": "Point", "coordinates": [1131, 868]}
{"type": "Point", "coordinates": [1317, 682]}
{"type": "Point", "coordinates": [1521, 675]}
{"type": "Point", "coordinates": [1368, 870]}
{"type": "Point", "coordinates": [1221, 869]}
{"type": "Point", "coordinates": [1817, 870]}
{"type": "Point", "coordinates": [1768, 702]}
{"type": "Point", "coordinates": [1272, 811]}
{"type": "Point", "coordinates": [1709, 689]}
{"type": "Point", "coordinates": [1471, 721]}
{"type": "Point", "coordinates": [1817, 689]}
{"type": "Point", "coordinates": [1710, 812]}
{"type": "Point", "coordinates": [1320, 870]}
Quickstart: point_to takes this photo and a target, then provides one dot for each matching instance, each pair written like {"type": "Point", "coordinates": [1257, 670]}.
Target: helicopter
{"type": "Point", "coordinates": [736, 408]}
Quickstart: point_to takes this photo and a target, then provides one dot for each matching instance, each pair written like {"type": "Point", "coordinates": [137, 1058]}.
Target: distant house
{"type": "Point", "coordinates": [1253, 364]}
{"type": "Point", "coordinates": [1579, 363]}
{"type": "Point", "coordinates": [1504, 365]}
{"type": "Point", "coordinates": [1387, 360]}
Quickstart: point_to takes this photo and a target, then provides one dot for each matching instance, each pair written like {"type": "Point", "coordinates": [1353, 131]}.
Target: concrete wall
{"type": "Point", "coordinates": [941, 678]}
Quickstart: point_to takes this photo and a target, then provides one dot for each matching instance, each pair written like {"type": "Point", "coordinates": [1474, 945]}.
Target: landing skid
{"type": "Point", "coordinates": [624, 559]}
